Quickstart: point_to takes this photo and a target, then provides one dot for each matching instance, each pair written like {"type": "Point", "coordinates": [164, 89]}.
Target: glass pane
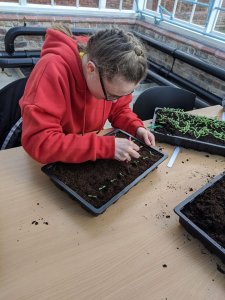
{"type": "Point", "coordinates": [183, 11]}
{"type": "Point", "coordinates": [223, 4]}
{"type": "Point", "coordinates": [200, 15]}
{"type": "Point", "coordinates": [89, 3]}
{"type": "Point", "coordinates": [220, 24]}
{"type": "Point", "coordinates": [168, 5]}
{"type": "Point", "coordinates": [204, 1]}
{"type": "Point", "coordinates": [152, 4]}
{"type": "Point", "coordinates": [127, 4]}
{"type": "Point", "coordinates": [65, 2]}
{"type": "Point", "coordinates": [113, 4]}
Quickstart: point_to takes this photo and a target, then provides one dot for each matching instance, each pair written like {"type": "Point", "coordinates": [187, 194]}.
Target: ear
{"type": "Point", "coordinates": [90, 67]}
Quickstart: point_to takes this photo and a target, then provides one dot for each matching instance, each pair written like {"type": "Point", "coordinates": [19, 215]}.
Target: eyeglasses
{"type": "Point", "coordinates": [106, 97]}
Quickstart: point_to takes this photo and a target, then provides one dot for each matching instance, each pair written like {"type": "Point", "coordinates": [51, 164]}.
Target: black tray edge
{"type": "Point", "coordinates": [193, 229]}
{"type": "Point", "coordinates": [185, 142]}
{"type": "Point", "coordinates": [100, 210]}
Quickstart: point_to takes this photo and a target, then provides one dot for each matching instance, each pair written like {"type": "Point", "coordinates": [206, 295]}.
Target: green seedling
{"type": "Point", "coordinates": [92, 196]}
{"type": "Point", "coordinates": [102, 187]}
{"type": "Point", "coordinates": [199, 126]}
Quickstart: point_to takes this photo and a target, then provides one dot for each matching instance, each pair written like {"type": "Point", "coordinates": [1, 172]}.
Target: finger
{"type": "Point", "coordinates": [134, 154]}
{"type": "Point", "coordinates": [146, 138]}
{"type": "Point", "coordinates": [127, 158]}
{"type": "Point", "coordinates": [149, 139]}
{"type": "Point", "coordinates": [135, 147]}
{"type": "Point", "coordinates": [152, 138]}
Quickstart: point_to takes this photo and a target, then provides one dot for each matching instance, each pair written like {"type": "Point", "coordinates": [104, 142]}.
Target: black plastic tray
{"type": "Point", "coordinates": [186, 142]}
{"type": "Point", "coordinates": [193, 229]}
{"type": "Point", "coordinates": [85, 204]}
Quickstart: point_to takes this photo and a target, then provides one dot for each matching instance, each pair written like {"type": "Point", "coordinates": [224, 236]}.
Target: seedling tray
{"type": "Point", "coordinates": [198, 215]}
{"type": "Point", "coordinates": [185, 141]}
{"type": "Point", "coordinates": [91, 183]}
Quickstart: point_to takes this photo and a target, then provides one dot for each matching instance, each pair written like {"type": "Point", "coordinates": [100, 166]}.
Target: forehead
{"type": "Point", "coordinates": [119, 86]}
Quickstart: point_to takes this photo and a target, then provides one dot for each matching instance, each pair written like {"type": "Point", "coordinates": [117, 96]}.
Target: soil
{"type": "Point", "coordinates": [207, 211]}
{"type": "Point", "coordinates": [168, 128]}
{"type": "Point", "coordinates": [99, 181]}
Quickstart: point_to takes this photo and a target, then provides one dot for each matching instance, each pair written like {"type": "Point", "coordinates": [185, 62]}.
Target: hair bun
{"type": "Point", "coordinates": [138, 51]}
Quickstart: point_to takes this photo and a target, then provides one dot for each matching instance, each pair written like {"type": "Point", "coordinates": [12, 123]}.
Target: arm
{"type": "Point", "coordinates": [50, 132]}
{"type": "Point", "coordinates": [124, 118]}
{"type": "Point", "coordinates": [45, 141]}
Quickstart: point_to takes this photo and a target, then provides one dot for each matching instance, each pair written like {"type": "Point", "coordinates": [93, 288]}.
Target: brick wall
{"type": "Point", "coordinates": [114, 4]}
{"type": "Point", "coordinates": [39, 1]}
{"type": "Point", "coordinates": [9, 1]}
{"type": "Point", "coordinates": [190, 46]}
{"type": "Point", "coordinates": [202, 51]}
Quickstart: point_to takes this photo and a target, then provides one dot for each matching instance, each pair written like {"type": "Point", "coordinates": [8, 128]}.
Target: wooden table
{"type": "Point", "coordinates": [135, 250]}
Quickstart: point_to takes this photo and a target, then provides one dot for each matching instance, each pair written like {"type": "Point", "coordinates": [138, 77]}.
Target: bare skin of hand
{"type": "Point", "coordinates": [146, 136]}
{"type": "Point", "coordinates": [125, 150]}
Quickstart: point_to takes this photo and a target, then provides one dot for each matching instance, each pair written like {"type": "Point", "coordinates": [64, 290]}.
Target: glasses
{"type": "Point", "coordinates": [107, 97]}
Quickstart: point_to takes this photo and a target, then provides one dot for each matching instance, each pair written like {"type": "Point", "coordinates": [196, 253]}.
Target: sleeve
{"type": "Point", "coordinates": [123, 117]}
{"type": "Point", "coordinates": [45, 142]}
{"type": "Point", "coordinates": [42, 134]}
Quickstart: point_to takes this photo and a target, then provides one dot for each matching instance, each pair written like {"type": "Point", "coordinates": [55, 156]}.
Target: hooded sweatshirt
{"type": "Point", "coordinates": [60, 114]}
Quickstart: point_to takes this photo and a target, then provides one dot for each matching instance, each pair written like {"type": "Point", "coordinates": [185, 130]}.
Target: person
{"type": "Point", "coordinates": [78, 84]}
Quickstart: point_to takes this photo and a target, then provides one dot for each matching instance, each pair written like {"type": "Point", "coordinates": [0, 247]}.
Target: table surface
{"type": "Point", "coordinates": [135, 250]}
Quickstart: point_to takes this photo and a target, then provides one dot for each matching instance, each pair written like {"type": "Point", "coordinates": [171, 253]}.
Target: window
{"type": "Point", "coordinates": [205, 16]}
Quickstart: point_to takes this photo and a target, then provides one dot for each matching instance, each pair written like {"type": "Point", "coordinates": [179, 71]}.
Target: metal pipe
{"type": "Point", "coordinates": [187, 58]}
{"type": "Point", "coordinates": [14, 32]}
{"type": "Point", "coordinates": [200, 64]}
{"type": "Point", "coordinates": [20, 54]}
{"type": "Point", "coordinates": [30, 62]}
{"type": "Point", "coordinates": [18, 62]}
{"type": "Point", "coordinates": [159, 79]}
{"type": "Point", "coordinates": [199, 103]}
{"type": "Point", "coordinates": [174, 52]}
{"type": "Point", "coordinates": [202, 93]}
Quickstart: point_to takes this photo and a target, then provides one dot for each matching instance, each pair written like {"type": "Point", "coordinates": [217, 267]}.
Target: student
{"type": "Point", "coordinates": [78, 84]}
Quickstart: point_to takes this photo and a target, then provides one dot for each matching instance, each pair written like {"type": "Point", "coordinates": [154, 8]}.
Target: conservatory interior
{"type": "Point", "coordinates": [162, 238]}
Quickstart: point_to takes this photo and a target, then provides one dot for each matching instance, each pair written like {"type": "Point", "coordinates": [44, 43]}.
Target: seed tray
{"type": "Point", "coordinates": [90, 169]}
{"type": "Point", "coordinates": [186, 142]}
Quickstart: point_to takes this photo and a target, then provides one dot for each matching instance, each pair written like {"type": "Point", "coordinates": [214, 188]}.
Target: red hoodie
{"type": "Point", "coordinates": [59, 113]}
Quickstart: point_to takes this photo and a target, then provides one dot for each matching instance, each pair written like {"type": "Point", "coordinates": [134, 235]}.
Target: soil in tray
{"type": "Point", "coordinates": [98, 182]}
{"type": "Point", "coordinates": [178, 123]}
{"type": "Point", "coordinates": [207, 211]}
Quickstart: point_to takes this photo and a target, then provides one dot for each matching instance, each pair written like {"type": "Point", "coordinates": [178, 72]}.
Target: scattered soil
{"type": "Point", "coordinates": [207, 211]}
{"type": "Point", "coordinates": [98, 182]}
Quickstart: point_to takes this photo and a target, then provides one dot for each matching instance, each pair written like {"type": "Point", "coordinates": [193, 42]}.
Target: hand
{"type": "Point", "coordinates": [146, 136]}
{"type": "Point", "coordinates": [125, 149]}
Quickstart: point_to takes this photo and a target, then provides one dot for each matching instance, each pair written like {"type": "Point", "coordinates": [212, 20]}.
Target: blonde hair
{"type": "Point", "coordinates": [115, 52]}
{"type": "Point", "coordinates": [63, 28]}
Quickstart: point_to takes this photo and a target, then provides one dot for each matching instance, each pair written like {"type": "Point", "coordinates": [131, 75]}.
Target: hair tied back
{"type": "Point", "coordinates": [138, 51]}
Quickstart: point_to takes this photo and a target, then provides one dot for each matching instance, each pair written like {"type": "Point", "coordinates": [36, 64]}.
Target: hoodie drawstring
{"type": "Point", "coordinates": [84, 115]}
{"type": "Point", "coordinates": [103, 115]}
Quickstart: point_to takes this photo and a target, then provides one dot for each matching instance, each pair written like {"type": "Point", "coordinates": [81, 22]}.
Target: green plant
{"type": "Point", "coordinates": [199, 126]}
